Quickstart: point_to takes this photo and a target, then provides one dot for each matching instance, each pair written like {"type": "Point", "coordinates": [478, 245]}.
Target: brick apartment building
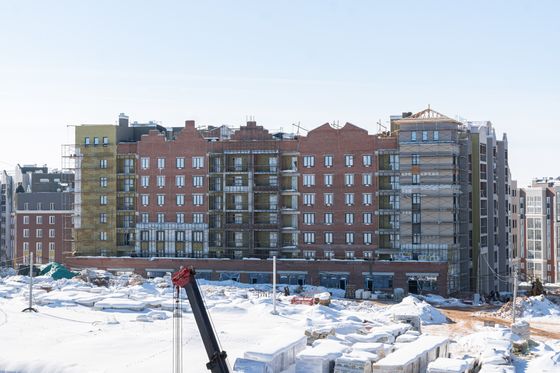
{"type": "Point", "coordinates": [226, 200]}
{"type": "Point", "coordinates": [42, 218]}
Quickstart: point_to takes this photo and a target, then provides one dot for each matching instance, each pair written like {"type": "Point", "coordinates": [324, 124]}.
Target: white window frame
{"type": "Point", "coordinates": [349, 180]}
{"type": "Point", "coordinates": [308, 161]}
{"type": "Point", "coordinates": [308, 180]}
{"type": "Point", "coordinates": [367, 160]}
{"type": "Point", "coordinates": [348, 160]}
{"type": "Point", "coordinates": [180, 199]}
{"type": "Point", "coordinates": [328, 198]}
{"type": "Point", "coordinates": [328, 180]}
{"type": "Point", "coordinates": [161, 163]}
{"type": "Point", "coordinates": [198, 199]}
{"type": "Point", "coordinates": [144, 181]}
{"type": "Point", "coordinates": [349, 199]}
{"type": "Point", "coordinates": [198, 162]}
{"type": "Point", "coordinates": [144, 163]}
{"type": "Point", "coordinates": [328, 160]}
{"type": "Point", "coordinates": [328, 218]}
{"type": "Point", "coordinates": [180, 163]}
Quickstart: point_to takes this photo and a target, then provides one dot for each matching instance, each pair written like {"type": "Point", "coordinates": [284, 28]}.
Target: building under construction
{"type": "Point", "coordinates": [337, 205]}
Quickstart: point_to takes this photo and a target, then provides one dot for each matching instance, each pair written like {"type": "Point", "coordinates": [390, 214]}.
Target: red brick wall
{"type": "Point", "coordinates": [313, 268]}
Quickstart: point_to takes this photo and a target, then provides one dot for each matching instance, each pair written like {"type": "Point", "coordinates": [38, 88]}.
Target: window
{"type": "Point", "coordinates": [102, 163]}
{"type": "Point", "coordinates": [349, 254]}
{"type": "Point", "coordinates": [348, 179]}
{"type": "Point", "coordinates": [39, 233]}
{"type": "Point", "coordinates": [367, 217]}
{"type": "Point", "coordinates": [96, 141]}
{"type": "Point", "coordinates": [180, 181]}
{"type": "Point", "coordinates": [26, 233]}
{"type": "Point", "coordinates": [416, 218]}
{"type": "Point", "coordinates": [328, 178]}
{"type": "Point", "coordinates": [348, 199]}
{"type": "Point", "coordinates": [328, 199]}
{"type": "Point", "coordinates": [86, 141]}
{"type": "Point", "coordinates": [328, 238]}
{"type": "Point", "coordinates": [160, 181]}
{"type": "Point", "coordinates": [103, 218]}
{"type": "Point", "coordinates": [180, 218]}
{"type": "Point", "coordinates": [416, 239]}
{"type": "Point", "coordinates": [329, 254]}
{"type": "Point", "coordinates": [367, 199]}
{"type": "Point", "coordinates": [328, 160]}
{"type": "Point", "coordinates": [198, 199]}
{"type": "Point", "coordinates": [160, 217]}
{"type": "Point", "coordinates": [416, 198]}
{"type": "Point", "coordinates": [349, 218]}
{"type": "Point", "coordinates": [198, 181]}
{"type": "Point", "coordinates": [308, 161]}
{"type": "Point", "coordinates": [308, 199]}
{"type": "Point", "coordinates": [328, 218]}
{"type": "Point", "coordinates": [145, 163]}
{"type": "Point", "coordinates": [198, 162]}
{"type": "Point", "coordinates": [415, 159]}
{"type": "Point", "coordinates": [103, 200]}
{"type": "Point", "coordinates": [105, 140]}
{"type": "Point", "coordinates": [39, 220]}
{"type": "Point", "coordinates": [308, 180]}
{"type": "Point", "coordinates": [51, 205]}
{"type": "Point", "coordinates": [198, 218]}
{"type": "Point", "coordinates": [103, 236]}
{"type": "Point", "coordinates": [26, 219]}
{"type": "Point", "coordinates": [180, 199]}
{"type": "Point", "coordinates": [349, 238]}
{"type": "Point", "coordinates": [366, 160]}
{"type": "Point", "coordinates": [308, 218]}
{"type": "Point", "coordinates": [145, 199]}
{"type": "Point", "coordinates": [198, 236]}
{"type": "Point", "coordinates": [39, 205]}
{"type": "Point", "coordinates": [366, 179]}
{"type": "Point", "coordinates": [349, 160]}
{"type": "Point", "coordinates": [161, 199]}
{"type": "Point", "coordinates": [145, 217]}
{"type": "Point", "coordinates": [161, 163]}
{"type": "Point", "coordinates": [367, 238]}
{"type": "Point", "coordinates": [309, 254]}
{"type": "Point", "coordinates": [309, 237]}
{"type": "Point", "coordinates": [424, 135]}
{"type": "Point", "coordinates": [436, 135]}
{"type": "Point", "coordinates": [180, 236]}
{"type": "Point", "coordinates": [413, 136]}
{"type": "Point", "coordinates": [368, 255]}
{"type": "Point", "coordinates": [180, 162]}
{"type": "Point", "coordinates": [103, 182]}
{"type": "Point", "coordinates": [51, 246]}
{"type": "Point", "coordinates": [415, 179]}
{"type": "Point", "coordinates": [145, 181]}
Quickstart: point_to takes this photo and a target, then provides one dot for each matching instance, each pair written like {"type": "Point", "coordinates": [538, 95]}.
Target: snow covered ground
{"type": "Point", "coordinates": [129, 328]}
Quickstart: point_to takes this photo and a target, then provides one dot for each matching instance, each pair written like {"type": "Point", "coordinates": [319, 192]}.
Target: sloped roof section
{"type": "Point", "coordinates": [428, 115]}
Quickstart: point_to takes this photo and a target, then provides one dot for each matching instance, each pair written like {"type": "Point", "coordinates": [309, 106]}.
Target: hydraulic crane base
{"type": "Point", "coordinates": [185, 278]}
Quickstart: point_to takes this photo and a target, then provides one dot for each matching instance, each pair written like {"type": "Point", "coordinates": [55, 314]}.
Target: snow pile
{"type": "Point", "coordinates": [438, 300]}
{"type": "Point", "coordinates": [530, 307]}
{"type": "Point", "coordinates": [412, 306]}
{"type": "Point", "coordinates": [549, 362]}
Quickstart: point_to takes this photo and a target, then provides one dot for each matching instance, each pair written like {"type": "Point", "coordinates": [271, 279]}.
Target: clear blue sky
{"type": "Point", "coordinates": [72, 62]}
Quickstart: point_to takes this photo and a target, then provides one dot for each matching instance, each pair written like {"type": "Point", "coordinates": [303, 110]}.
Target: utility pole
{"type": "Point", "coordinates": [515, 268]}
{"type": "Point", "coordinates": [30, 308]}
{"type": "Point", "coordinates": [274, 312]}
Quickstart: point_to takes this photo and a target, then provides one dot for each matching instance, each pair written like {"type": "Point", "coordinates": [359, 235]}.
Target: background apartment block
{"type": "Point", "coordinates": [539, 229]}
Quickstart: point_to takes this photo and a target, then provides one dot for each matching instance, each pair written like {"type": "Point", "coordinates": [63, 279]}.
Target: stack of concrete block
{"type": "Point", "coordinates": [278, 357]}
{"type": "Point", "coordinates": [251, 366]}
{"type": "Point", "coordinates": [380, 349]}
{"type": "Point", "coordinates": [447, 365]}
{"type": "Point", "coordinates": [355, 362]}
{"type": "Point", "coordinates": [320, 358]}
{"type": "Point", "coordinates": [413, 357]}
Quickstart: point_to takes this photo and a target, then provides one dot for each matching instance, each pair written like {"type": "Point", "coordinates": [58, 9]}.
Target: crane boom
{"type": "Point", "coordinates": [185, 278]}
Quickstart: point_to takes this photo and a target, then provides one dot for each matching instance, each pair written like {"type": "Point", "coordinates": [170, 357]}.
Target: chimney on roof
{"type": "Point", "coordinates": [189, 124]}
{"type": "Point", "coordinates": [406, 114]}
